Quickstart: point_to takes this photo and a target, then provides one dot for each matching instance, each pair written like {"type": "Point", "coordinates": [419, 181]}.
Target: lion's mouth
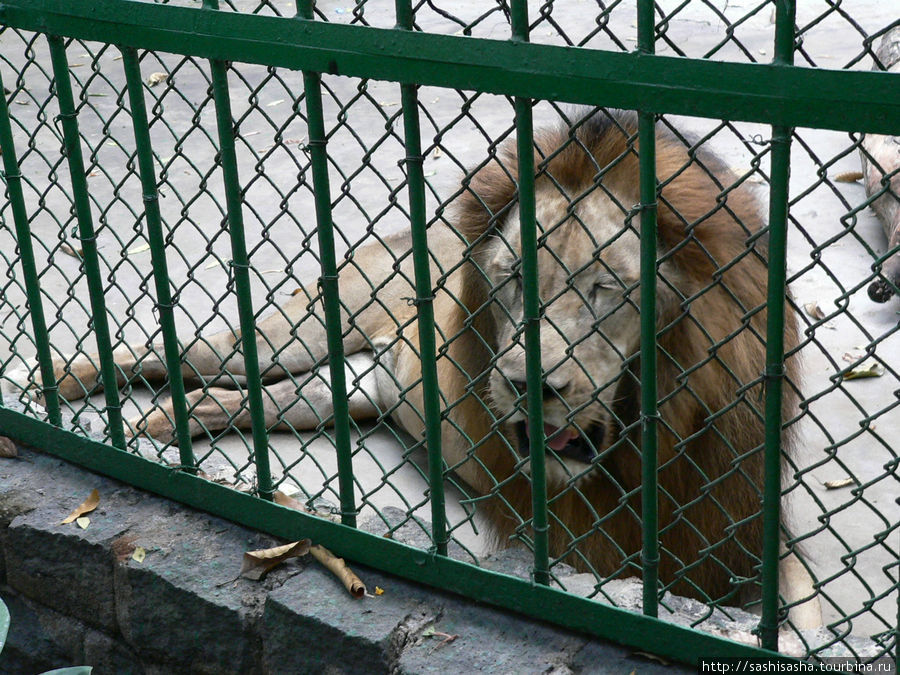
{"type": "Point", "coordinates": [566, 443]}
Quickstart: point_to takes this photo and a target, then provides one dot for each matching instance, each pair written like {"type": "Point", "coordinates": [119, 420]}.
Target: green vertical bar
{"type": "Point", "coordinates": [241, 265]}
{"type": "Point", "coordinates": [649, 413]}
{"type": "Point", "coordinates": [424, 296]}
{"type": "Point", "coordinates": [13, 177]}
{"type": "Point", "coordinates": [158, 253]}
{"type": "Point", "coordinates": [778, 212]}
{"type": "Point", "coordinates": [312, 85]}
{"type": "Point", "coordinates": [88, 238]}
{"type": "Point", "coordinates": [532, 313]}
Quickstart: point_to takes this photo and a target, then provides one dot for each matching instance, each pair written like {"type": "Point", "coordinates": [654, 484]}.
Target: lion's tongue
{"type": "Point", "coordinates": [561, 439]}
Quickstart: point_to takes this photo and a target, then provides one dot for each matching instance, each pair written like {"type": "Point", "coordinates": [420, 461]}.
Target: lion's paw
{"type": "Point", "coordinates": [22, 378]}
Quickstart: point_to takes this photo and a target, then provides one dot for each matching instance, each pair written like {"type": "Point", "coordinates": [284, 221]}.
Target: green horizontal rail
{"type": "Point", "coordinates": [769, 93]}
{"type": "Point", "coordinates": [571, 611]}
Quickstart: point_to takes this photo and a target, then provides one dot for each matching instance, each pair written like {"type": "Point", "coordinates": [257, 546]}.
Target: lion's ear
{"type": "Point", "coordinates": [487, 193]}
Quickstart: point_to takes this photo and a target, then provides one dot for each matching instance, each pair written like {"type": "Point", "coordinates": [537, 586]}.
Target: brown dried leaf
{"type": "Point", "coordinates": [288, 501]}
{"type": "Point", "coordinates": [651, 657]}
{"type": "Point", "coordinates": [866, 369]}
{"type": "Point", "coordinates": [8, 449]}
{"type": "Point", "coordinates": [813, 309]}
{"type": "Point", "coordinates": [835, 484]}
{"type": "Point", "coordinates": [339, 568]}
{"type": "Point", "coordinates": [285, 500]}
{"type": "Point", "coordinates": [86, 506]}
{"type": "Point", "coordinates": [123, 547]}
{"type": "Point", "coordinates": [849, 177]}
{"type": "Point", "coordinates": [74, 252]}
{"type": "Point", "coordinates": [257, 563]}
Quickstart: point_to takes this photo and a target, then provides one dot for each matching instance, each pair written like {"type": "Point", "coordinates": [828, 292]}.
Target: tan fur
{"type": "Point", "coordinates": [711, 322]}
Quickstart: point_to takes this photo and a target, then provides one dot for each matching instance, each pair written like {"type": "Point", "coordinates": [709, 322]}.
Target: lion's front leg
{"type": "Point", "coordinates": [302, 402]}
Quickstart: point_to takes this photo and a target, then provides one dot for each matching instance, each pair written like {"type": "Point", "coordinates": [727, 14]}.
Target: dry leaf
{"type": "Point", "coordinates": [813, 309]}
{"type": "Point", "coordinates": [339, 568]}
{"type": "Point", "coordinates": [651, 657]}
{"type": "Point", "coordinates": [835, 484]}
{"type": "Point", "coordinates": [83, 522]}
{"type": "Point", "coordinates": [285, 500]}
{"type": "Point", "coordinates": [8, 449]}
{"type": "Point", "coordinates": [257, 563]}
{"type": "Point", "coordinates": [379, 590]}
{"type": "Point", "coordinates": [866, 369]}
{"type": "Point", "coordinates": [291, 503]}
{"type": "Point", "coordinates": [74, 252]}
{"type": "Point", "coordinates": [156, 78]}
{"type": "Point", "coordinates": [139, 249]}
{"type": "Point", "coordinates": [849, 177]}
{"type": "Point", "coordinates": [123, 547]}
{"type": "Point", "coordinates": [86, 506]}
{"type": "Point", "coordinates": [446, 638]}
{"type": "Point", "coordinates": [139, 554]}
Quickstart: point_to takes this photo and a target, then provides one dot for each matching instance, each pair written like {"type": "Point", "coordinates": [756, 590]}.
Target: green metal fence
{"type": "Point", "coordinates": [195, 175]}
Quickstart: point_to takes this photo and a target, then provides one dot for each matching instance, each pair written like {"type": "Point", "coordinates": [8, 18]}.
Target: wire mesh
{"type": "Point", "coordinates": [839, 489]}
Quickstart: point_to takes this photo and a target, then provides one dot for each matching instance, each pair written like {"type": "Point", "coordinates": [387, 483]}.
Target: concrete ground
{"type": "Point", "coordinates": [830, 252]}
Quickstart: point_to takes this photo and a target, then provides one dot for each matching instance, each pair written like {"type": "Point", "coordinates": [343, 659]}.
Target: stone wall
{"type": "Point", "coordinates": [78, 597]}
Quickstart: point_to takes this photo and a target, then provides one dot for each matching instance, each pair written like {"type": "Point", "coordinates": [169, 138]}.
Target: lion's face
{"type": "Point", "coordinates": [588, 273]}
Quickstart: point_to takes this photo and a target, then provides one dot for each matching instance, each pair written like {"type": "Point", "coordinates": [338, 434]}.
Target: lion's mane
{"type": "Point", "coordinates": [711, 359]}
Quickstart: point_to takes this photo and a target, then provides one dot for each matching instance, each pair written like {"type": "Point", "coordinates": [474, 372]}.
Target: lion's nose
{"type": "Point", "coordinates": [547, 392]}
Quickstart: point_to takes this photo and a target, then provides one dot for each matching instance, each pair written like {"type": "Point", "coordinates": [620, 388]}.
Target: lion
{"type": "Point", "coordinates": [711, 317]}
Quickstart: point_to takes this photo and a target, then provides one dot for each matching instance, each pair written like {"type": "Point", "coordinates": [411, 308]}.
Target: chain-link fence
{"type": "Point", "coordinates": [210, 213]}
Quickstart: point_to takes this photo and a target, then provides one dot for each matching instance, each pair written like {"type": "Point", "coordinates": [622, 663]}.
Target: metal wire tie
{"type": "Point", "coordinates": [415, 302]}
{"type": "Point", "coordinates": [774, 371]}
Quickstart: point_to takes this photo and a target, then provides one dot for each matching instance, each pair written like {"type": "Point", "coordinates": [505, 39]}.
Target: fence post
{"type": "Point", "coordinates": [241, 265]}
{"type": "Point", "coordinates": [531, 312]}
{"type": "Point", "coordinates": [785, 11]}
{"type": "Point", "coordinates": [88, 238]}
{"type": "Point", "coordinates": [424, 296]}
{"type": "Point", "coordinates": [158, 253]}
{"type": "Point", "coordinates": [312, 86]}
{"type": "Point", "coordinates": [649, 411]}
{"type": "Point", "coordinates": [13, 177]}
